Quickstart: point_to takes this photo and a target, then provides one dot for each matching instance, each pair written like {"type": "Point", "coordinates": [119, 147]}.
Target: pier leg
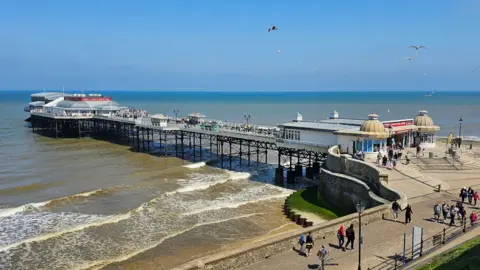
{"type": "Point", "coordinates": [258, 155]}
{"type": "Point", "coordinates": [194, 152]}
{"type": "Point", "coordinates": [221, 154]}
{"type": "Point", "coordinates": [211, 144]}
{"type": "Point", "coordinates": [183, 145]}
{"type": "Point", "coordinates": [279, 175]}
{"type": "Point", "coordinates": [315, 167]}
{"type": "Point", "coordinates": [290, 176]}
{"type": "Point", "coordinates": [230, 155]}
{"type": "Point", "coordinates": [266, 154]}
{"type": "Point", "coordinates": [298, 170]}
{"type": "Point", "coordinates": [240, 153]}
{"type": "Point", "coordinates": [56, 129]}
{"type": "Point", "coordinates": [200, 145]}
{"type": "Point", "coordinates": [166, 144]}
{"type": "Point", "coordinates": [176, 144]}
{"type": "Point", "coordinates": [309, 172]}
{"type": "Point", "coordinates": [248, 154]}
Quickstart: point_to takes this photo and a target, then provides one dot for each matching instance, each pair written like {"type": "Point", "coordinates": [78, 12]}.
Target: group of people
{"type": "Point", "coordinates": [452, 212]}
{"type": "Point", "coordinates": [307, 243]}
{"type": "Point", "coordinates": [131, 113]}
{"type": "Point", "coordinates": [389, 157]}
{"type": "Point", "coordinates": [470, 195]}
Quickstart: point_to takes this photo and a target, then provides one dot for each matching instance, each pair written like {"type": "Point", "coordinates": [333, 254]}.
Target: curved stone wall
{"type": "Point", "coordinates": [376, 181]}
{"type": "Point", "coordinates": [344, 191]}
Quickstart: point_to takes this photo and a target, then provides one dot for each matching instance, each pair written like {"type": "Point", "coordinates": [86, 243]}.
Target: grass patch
{"type": "Point", "coordinates": [464, 257]}
{"type": "Point", "coordinates": [307, 200]}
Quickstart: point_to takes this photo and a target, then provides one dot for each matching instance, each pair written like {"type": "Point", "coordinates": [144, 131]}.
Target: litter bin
{"type": "Point", "coordinates": [430, 154]}
{"type": "Point", "coordinates": [454, 153]}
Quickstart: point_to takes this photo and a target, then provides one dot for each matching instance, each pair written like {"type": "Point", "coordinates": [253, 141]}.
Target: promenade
{"type": "Point", "coordinates": [384, 238]}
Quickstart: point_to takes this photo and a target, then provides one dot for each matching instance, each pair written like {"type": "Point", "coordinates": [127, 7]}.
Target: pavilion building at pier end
{"type": "Point", "coordinates": [366, 135]}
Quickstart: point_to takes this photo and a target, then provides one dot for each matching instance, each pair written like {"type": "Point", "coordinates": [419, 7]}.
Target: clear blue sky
{"type": "Point", "coordinates": [224, 45]}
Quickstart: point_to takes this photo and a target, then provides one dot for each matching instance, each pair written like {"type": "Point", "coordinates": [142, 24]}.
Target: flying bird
{"type": "Point", "coordinates": [278, 51]}
{"type": "Point", "coordinates": [417, 47]}
{"type": "Point", "coordinates": [273, 28]}
{"type": "Point", "coordinates": [409, 58]}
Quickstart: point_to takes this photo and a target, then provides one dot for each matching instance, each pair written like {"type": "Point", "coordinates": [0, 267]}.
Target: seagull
{"type": "Point", "coordinates": [409, 58]}
{"type": "Point", "coordinates": [273, 28]}
{"type": "Point", "coordinates": [278, 51]}
{"type": "Point", "coordinates": [417, 47]}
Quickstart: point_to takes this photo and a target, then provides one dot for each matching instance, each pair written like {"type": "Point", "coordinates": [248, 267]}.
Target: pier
{"type": "Point", "coordinates": [227, 143]}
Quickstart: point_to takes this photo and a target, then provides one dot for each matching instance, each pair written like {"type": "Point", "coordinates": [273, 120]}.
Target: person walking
{"type": "Point", "coordinates": [473, 218]}
{"type": "Point", "coordinates": [470, 195]}
{"type": "Point", "coordinates": [395, 209]}
{"type": "Point", "coordinates": [452, 215]}
{"type": "Point", "coordinates": [475, 198]}
{"type": "Point", "coordinates": [301, 242]}
{"type": "Point", "coordinates": [341, 237]}
{"type": "Point", "coordinates": [437, 209]}
{"type": "Point", "coordinates": [350, 233]}
{"type": "Point", "coordinates": [445, 211]}
{"type": "Point", "coordinates": [322, 255]}
{"type": "Point", "coordinates": [408, 214]}
{"type": "Point", "coordinates": [463, 194]}
{"type": "Point", "coordinates": [309, 243]}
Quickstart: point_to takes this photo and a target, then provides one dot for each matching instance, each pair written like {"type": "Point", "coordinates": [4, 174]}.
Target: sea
{"type": "Point", "coordinates": [90, 204]}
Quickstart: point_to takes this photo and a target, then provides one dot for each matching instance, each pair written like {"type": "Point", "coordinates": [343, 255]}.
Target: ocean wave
{"type": "Point", "coordinates": [97, 265]}
{"type": "Point", "coordinates": [203, 181]}
{"type": "Point", "coordinates": [195, 165]}
{"type": "Point", "coordinates": [37, 206]}
{"type": "Point", "coordinates": [92, 221]}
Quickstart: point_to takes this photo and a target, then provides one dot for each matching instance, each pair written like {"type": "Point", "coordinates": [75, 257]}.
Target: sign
{"type": "Point", "coordinates": [88, 98]}
{"type": "Point", "coordinates": [417, 239]}
{"type": "Point", "coordinates": [398, 124]}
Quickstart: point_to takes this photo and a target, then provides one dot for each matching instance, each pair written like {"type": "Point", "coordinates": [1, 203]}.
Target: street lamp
{"type": "Point", "coordinates": [360, 208]}
{"type": "Point", "coordinates": [176, 111]}
{"type": "Point", "coordinates": [460, 131]}
{"type": "Point", "coordinates": [247, 117]}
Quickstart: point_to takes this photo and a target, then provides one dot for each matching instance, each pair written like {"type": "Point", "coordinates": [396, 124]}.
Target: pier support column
{"type": "Point", "coordinates": [176, 144]}
{"type": "Point", "coordinates": [316, 167]}
{"type": "Point", "coordinates": [230, 154]}
{"type": "Point", "coordinates": [279, 175]}
{"type": "Point", "coordinates": [221, 154]}
{"type": "Point", "coordinates": [182, 144]}
{"type": "Point", "coordinates": [248, 154]}
{"type": "Point", "coordinates": [290, 176]}
{"type": "Point", "coordinates": [298, 170]}
{"type": "Point", "coordinates": [240, 152]}
{"type": "Point", "coordinates": [165, 141]}
{"type": "Point", "coordinates": [309, 172]}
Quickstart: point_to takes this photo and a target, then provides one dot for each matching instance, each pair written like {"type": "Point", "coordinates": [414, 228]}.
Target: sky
{"type": "Point", "coordinates": [225, 45]}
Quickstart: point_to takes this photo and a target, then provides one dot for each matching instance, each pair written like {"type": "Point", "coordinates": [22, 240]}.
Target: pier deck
{"type": "Point", "coordinates": [227, 141]}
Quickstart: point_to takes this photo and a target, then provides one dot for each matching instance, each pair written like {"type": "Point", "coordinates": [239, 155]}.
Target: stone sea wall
{"type": "Point", "coordinates": [348, 169]}
{"type": "Point", "coordinates": [243, 256]}
{"type": "Point", "coordinates": [344, 191]}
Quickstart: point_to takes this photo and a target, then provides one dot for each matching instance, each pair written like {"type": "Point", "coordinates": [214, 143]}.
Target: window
{"type": "Point", "coordinates": [291, 134]}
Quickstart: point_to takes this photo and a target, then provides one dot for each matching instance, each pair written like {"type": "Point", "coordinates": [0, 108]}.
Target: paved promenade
{"type": "Point", "coordinates": [384, 238]}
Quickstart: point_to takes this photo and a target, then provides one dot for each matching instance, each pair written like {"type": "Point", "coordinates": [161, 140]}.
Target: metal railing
{"type": "Point", "coordinates": [405, 257]}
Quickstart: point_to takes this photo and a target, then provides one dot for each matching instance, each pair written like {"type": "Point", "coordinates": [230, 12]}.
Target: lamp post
{"type": "Point", "coordinates": [360, 208]}
{"type": "Point", "coordinates": [460, 129]}
{"type": "Point", "coordinates": [247, 118]}
{"type": "Point", "coordinates": [176, 111]}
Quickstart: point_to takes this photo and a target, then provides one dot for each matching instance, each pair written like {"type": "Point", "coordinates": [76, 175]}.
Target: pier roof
{"type": "Point", "coordinates": [319, 126]}
{"type": "Point", "coordinates": [344, 121]}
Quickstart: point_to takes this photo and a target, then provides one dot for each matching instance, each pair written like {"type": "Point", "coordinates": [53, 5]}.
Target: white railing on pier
{"type": "Point", "coordinates": [61, 115]}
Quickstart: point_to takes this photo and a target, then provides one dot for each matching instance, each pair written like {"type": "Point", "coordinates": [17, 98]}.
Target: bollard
{"type": "Point", "coordinates": [464, 224]}
{"type": "Point", "coordinates": [439, 188]}
{"type": "Point", "coordinates": [430, 154]}
{"type": "Point", "coordinates": [296, 217]}
{"type": "Point", "coordinates": [444, 235]}
{"type": "Point", "coordinates": [471, 146]}
{"type": "Point", "coordinates": [301, 221]}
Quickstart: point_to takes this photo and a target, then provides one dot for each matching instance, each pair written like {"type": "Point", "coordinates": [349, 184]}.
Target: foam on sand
{"type": "Point", "coordinates": [195, 165]}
